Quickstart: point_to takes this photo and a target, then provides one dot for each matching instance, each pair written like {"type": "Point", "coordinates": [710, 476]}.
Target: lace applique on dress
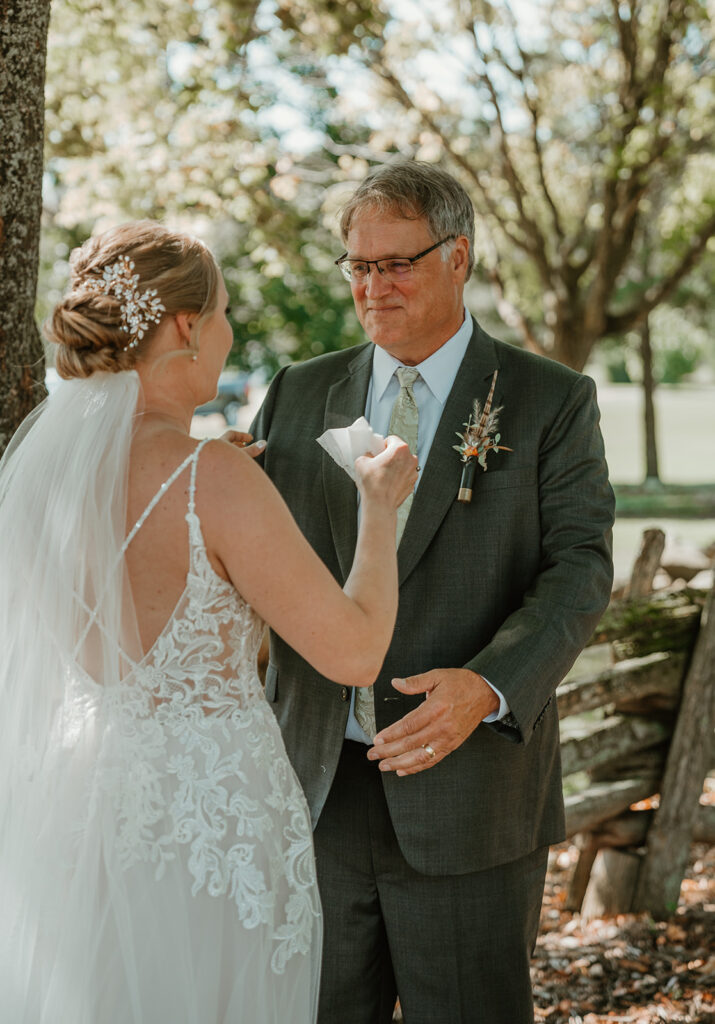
{"type": "Point", "coordinates": [205, 775]}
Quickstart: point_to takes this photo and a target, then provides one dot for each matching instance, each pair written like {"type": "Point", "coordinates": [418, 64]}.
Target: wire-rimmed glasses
{"type": "Point", "coordinates": [394, 268]}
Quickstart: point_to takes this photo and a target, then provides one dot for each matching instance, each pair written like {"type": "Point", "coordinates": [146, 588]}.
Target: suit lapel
{"type": "Point", "coordinates": [344, 404]}
{"type": "Point", "coordinates": [442, 473]}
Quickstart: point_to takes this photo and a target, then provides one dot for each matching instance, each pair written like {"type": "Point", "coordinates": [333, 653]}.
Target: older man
{"type": "Point", "coordinates": [436, 795]}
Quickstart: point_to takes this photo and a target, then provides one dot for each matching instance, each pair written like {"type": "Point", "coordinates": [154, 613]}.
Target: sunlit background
{"type": "Point", "coordinates": [581, 135]}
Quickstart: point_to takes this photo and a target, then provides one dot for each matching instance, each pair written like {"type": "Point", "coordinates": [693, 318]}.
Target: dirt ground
{"type": "Point", "coordinates": [628, 968]}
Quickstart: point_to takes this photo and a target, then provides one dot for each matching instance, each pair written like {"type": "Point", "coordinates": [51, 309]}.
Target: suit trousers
{"type": "Point", "coordinates": [455, 948]}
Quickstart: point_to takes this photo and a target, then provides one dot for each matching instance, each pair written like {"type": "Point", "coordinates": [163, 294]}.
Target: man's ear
{"type": "Point", "coordinates": [460, 253]}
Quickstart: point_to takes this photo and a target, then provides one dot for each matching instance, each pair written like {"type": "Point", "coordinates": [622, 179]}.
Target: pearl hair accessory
{"type": "Point", "coordinates": [138, 309]}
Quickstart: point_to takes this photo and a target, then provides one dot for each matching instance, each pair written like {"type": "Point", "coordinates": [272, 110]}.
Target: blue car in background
{"type": "Point", "coordinates": [234, 389]}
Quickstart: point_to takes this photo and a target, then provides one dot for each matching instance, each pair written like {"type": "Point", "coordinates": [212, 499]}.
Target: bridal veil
{"type": "Point", "coordinates": [66, 623]}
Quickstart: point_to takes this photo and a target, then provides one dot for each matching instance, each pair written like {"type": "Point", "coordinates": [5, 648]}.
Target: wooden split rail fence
{"type": "Point", "coordinates": [641, 728]}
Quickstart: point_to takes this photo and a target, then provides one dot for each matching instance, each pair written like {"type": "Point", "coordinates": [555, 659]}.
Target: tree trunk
{"type": "Point", "coordinates": [689, 758]}
{"type": "Point", "coordinates": [651, 449]}
{"type": "Point", "coordinates": [23, 48]}
{"type": "Point", "coordinates": [574, 338]}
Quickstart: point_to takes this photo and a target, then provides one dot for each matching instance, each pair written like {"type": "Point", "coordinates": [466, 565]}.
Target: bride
{"type": "Point", "coordinates": [156, 862]}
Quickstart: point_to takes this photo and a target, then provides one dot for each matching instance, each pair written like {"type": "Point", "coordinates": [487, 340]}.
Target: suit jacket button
{"type": "Point", "coordinates": [344, 695]}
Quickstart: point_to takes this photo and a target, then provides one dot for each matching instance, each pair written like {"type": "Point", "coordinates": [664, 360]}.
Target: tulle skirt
{"type": "Point", "coordinates": [190, 932]}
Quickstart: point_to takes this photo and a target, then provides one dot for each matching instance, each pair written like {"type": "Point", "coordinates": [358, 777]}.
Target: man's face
{"type": "Point", "coordinates": [414, 317]}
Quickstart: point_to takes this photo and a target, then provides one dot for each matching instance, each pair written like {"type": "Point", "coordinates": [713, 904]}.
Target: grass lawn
{"type": "Point", "coordinates": [685, 423]}
{"type": "Point", "coordinates": [685, 426]}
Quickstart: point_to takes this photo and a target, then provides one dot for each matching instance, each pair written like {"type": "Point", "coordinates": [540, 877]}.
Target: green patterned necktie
{"type": "Point", "coordinates": [404, 423]}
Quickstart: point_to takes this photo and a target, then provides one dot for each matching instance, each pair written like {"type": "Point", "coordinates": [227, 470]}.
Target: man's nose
{"type": "Point", "coordinates": [377, 283]}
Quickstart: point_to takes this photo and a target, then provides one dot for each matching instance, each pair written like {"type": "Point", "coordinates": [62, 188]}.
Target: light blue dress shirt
{"type": "Point", "coordinates": [437, 375]}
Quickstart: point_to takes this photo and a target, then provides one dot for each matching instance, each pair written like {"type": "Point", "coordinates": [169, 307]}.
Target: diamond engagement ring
{"type": "Point", "coordinates": [430, 750]}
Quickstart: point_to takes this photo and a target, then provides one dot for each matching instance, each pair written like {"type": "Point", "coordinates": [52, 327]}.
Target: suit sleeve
{"type": "Point", "coordinates": [261, 425]}
{"type": "Point", "coordinates": [537, 644]}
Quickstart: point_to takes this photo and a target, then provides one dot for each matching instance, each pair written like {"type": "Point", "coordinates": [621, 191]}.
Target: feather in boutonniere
{"type": "Point", "coordinates": [479, 437]}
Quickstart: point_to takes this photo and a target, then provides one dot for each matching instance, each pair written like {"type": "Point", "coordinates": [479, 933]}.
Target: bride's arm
{"type": "Point", "coordinates": [342, 633]}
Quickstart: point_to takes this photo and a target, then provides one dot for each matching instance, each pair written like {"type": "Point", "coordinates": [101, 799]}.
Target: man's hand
{"type": "Point", "coordinates": [457, 701]}
{"type": "Point", "coordinates": [241, 440]}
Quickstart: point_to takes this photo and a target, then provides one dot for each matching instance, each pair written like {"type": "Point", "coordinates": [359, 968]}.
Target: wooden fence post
{"type": "Point", "coordinates": [587, 847]}
{"type": "Point", "coordinates": [612, 884]}
{"type": "Point", "coordinates": [646, 564]}
{"type": "Point", "coordinates": [689, 759]}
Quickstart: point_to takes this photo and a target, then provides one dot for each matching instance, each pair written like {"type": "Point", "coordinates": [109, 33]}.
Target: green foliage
{"type": "Point", "coordinates": [160, 116]}
{"type": "Point", "coordinates": [681, 340]}
{"type": "Point", "coordinates": [281, 314]}
{"type": "Point", "coordinates": [580, 131]}
{"type": "Point", "coordinates": [574, 127]}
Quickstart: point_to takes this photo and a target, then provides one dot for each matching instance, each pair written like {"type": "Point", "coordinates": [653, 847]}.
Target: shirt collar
{"type": "Point", "coordinates": [438, 371]}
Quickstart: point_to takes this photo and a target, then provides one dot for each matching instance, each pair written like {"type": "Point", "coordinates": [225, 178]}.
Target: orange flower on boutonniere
{"type": "Point", "coordinates": [479, 437]}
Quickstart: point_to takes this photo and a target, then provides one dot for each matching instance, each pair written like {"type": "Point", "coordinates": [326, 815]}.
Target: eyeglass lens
{"type": "Point", "coordinates": [358, 270]}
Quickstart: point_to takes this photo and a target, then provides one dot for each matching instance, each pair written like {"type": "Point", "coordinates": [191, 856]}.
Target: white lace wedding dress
{"type": "Point", "coordinates": [180, 882]}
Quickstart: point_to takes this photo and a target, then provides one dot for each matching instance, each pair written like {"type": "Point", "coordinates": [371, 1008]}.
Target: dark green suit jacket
{"type": "Point", "coordinates": [510, 586]}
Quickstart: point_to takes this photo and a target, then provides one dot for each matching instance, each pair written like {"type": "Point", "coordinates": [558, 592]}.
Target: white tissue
{"type": "Point", "coordinates": [345, 444]}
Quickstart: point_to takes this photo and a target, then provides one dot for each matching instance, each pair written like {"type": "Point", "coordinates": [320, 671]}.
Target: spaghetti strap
{"type": "Point", "coordinates": [189, 460]}
{"type": "Point", "coordinates": [192, 481]}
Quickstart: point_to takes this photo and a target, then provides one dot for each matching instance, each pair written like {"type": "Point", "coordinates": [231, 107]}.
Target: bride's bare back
{"type": "Point", "coordinates": [253, 542]}
{"type": "Point", "coordinates": [158, 557]}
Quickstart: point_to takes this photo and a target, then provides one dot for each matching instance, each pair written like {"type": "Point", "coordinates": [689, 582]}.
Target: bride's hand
{"type": "Point", "coordinates": [386, 479]}
{"type": "Point", "coordinates": [241, 440]}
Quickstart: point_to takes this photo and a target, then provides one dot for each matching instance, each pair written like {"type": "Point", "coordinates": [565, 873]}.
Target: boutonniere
{"type": "Point", "coordinates": [479, 437]}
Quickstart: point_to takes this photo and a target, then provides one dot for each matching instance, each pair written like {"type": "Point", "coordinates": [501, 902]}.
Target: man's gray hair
{"type": "Point", "coordinates": [415, 189]}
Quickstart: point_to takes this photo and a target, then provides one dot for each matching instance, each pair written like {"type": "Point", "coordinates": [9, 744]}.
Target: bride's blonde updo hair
{"type": "Point", "coordinates": [87, 325]}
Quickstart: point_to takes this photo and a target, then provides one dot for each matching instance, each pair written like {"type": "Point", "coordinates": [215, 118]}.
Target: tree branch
{"type": "Point", "coordinates": [523, 77]}
{"type": "Point", "coordinates": [674, 16]}
{"type": "Point", "coordinates": [405, 99]}
{"type": "Point", "coordinates": [660, 291]}
{"type": "Point", "coordinates": [518, 191]}
{"type": "Point", "coordinates": [538, 152]}
{"type": "Point", "coordinates": [513, 316]}
{"type": "Point", "coordinates": [628, 37]}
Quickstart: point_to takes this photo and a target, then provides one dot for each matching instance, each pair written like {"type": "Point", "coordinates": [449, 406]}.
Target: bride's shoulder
{"type": "Point", "coordinates": [156, 451]}
{"type": "Point", "coordinates": [225, 465]}
{"type": "Point", "coordinates": [223, 470]}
